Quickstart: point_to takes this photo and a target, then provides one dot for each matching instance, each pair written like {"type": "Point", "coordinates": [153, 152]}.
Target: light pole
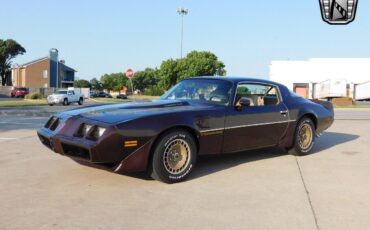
{"type": "Point", "coordinates": [182, 11]}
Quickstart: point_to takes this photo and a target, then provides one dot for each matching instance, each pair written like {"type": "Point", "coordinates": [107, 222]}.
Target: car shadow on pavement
{"type": "Point", "coordinates": [109, 168]}
{"type": "Point", "coordinates": [330, 139]}
{"type": "Point", "coordinates": [211, 164]}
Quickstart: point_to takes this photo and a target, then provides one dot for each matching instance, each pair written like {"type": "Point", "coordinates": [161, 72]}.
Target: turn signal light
{"type": "Point", "coordinates": [130, 143]}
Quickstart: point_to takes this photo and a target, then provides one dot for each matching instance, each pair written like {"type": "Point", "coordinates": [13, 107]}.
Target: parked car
{"type": "Point", "coordinates": [93, 94]}
{"type": "Point", "coordinates": [198, 116]}
{"type": "Point", "coordinates": [103, 94]}
{"type": "Point", "coordinates": [100, 94]}
{"type": "Point", "coordinates": [121, 96]}
{"type": "Point", "coordinates": [19, 92]}
{"type": "Point", "coordinates": [65, 97]}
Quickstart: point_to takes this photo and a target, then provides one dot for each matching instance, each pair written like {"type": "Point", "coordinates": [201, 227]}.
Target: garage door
{"type": "Point", "coordinates": [301, 91]}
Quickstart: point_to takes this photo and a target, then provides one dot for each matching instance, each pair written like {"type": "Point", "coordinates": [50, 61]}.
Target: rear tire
{"type": "Point", "coordinates": [304, 137]}
{"type": "Point", "coordinates": [65, 102]}
{"type": "Point", "coordinates": [174, 156]}
{"type": "Point", "coordinates": [81, 101]}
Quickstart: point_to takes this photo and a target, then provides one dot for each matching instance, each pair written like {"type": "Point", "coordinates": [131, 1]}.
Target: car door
{"type": "Point", "coordinates": [71, 96]}
{"type": "Point", "coordinates": [261, 124]}
{"type": "Point", "coordinates": [75, 96]}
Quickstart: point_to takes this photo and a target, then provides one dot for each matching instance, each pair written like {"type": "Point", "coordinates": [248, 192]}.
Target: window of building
{"type": "Point", "coordinates": [62, 75]}
{"type": "Point", "coordinates": [45, 73]}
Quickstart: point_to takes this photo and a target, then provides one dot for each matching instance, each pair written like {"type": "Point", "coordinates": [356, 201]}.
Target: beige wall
{"type": "Point", "coordinates": [18, 77]}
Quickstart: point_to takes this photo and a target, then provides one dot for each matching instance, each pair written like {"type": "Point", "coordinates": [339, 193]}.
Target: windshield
{"type": "Point", "coordinates": [201, 90]}
{"type": "Point", "coordinates": [61, 92]}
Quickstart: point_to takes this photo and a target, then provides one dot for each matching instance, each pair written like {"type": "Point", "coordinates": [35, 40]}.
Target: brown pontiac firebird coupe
{"type": "Point", "coordinates": [198, 116]}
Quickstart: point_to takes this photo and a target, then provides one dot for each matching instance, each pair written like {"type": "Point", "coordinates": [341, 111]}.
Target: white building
{"type": "Point", "coordinates": [308, 77]}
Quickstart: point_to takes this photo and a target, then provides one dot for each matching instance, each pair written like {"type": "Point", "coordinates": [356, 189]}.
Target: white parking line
{"type": "Point", "coordinates": [31, 118]}
{"type": "Point", "coordinates": [8, 138]}
{"type": "Point", "coordinates": [18, 123]}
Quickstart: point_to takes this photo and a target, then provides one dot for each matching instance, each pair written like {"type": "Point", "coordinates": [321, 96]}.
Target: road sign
{"type": "Point", "coordinates": [129, 73]}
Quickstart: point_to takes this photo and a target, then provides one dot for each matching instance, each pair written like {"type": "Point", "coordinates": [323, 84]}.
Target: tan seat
{"type": "Point", "coordinates": [260, 101]}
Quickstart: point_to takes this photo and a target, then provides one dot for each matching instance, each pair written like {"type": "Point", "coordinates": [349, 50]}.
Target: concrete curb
{"type": "Point", "coordinates": [32, 111]}
{"type": "Point", "coordinates": [20, 113]}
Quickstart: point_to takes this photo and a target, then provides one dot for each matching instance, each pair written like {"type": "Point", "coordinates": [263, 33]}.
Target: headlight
{"type": "Point", "coordinates": [101, 131]}
{"type": "Point", "coordinates": [98, 132]}
{"type": "Point", "coordinates": [92, 132]}
{"type": "Point", "coordinates": [85, 129]}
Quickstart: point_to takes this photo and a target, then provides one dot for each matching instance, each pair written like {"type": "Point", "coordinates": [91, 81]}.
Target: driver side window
{"type": "Point", "coordinates": [257, 94]}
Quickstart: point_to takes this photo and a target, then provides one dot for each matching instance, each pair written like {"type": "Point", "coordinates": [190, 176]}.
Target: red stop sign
{"type": "Point", "coordinates": [129, 73]}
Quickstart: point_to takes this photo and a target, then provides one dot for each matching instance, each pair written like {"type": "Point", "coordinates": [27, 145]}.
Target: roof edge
{"type": "Point", "coordinates": [34, 61]}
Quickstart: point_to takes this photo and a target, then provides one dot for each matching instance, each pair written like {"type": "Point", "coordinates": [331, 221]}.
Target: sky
{"type": "Point", "coordinates": [97, 37]}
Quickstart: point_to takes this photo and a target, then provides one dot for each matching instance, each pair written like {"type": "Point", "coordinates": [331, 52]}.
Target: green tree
{"type": "Point", "coordinates": [145, 79]}
{"type": "Point", "coordinates": [81, 83]}
{"type": "Point", "coordinates": [201, 63]}
{"type": "Point", "coordinates": [196, 63]}
{"type": "Point", "coordinates": [114, 81]}
{"type": "Point", "coordinates": [96, 84]}
{"type": "Point", "coordinates": [169, 73]}
{"type": "Point", "coordinates": [9, 49]}
{"type": "Point", "coordinates": [156, 81]}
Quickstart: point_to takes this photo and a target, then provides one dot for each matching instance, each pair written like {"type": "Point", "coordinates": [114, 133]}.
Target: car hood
{"type": "Point", "coordinates": [115, 113]}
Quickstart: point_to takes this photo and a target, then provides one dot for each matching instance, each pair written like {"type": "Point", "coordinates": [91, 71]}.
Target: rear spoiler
{"type": "Point", "coordinates": [327, 104]}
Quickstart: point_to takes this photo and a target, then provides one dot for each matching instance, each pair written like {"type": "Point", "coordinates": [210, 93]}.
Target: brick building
{"type": "Point", "coordinates": [44, 72]}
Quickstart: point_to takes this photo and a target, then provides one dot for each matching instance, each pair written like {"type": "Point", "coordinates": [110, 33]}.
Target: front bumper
{"type": "Point", "coordinates": [107, 150]}
{"type": "Point", "coordinates": [54, 100]}
{"type": "Point", "coordinates": [82, 150]}
{"type": "Point", "coordinates": [61, 134]}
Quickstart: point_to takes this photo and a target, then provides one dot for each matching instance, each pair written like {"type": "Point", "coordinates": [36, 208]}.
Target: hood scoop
{"type": "Point", "coordinates": [156, 104]}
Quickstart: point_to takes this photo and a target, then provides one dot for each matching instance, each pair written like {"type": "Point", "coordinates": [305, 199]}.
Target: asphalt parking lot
{"type": "Point", "coordinates": [266, 189]}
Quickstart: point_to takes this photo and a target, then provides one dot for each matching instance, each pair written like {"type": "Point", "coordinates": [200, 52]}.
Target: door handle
{"type": "Point", "coordinates": [284, 112]}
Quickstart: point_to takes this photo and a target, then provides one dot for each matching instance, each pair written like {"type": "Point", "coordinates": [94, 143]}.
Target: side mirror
{"type": "Point", "coordinates": [244, 101]}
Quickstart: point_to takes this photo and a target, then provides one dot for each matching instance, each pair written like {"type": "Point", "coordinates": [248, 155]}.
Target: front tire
{"type": "Point", "coordinates": [65, 102]}
{"type": "Point", "coordinates": [174, 156]}
{"type": "Point", "coordinates": [304, 137]}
